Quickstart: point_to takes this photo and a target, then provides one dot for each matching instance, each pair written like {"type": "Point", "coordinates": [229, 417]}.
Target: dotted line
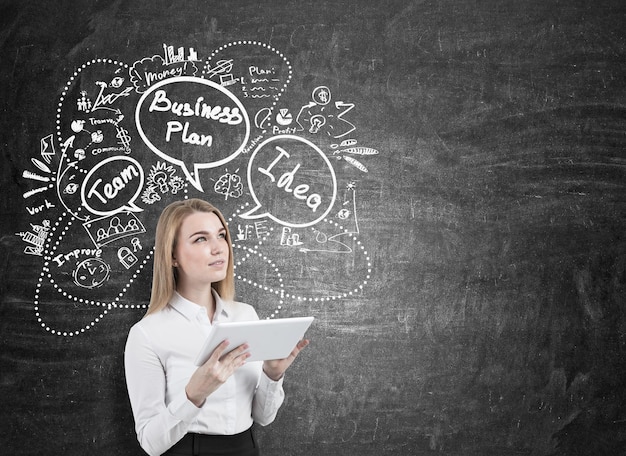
{"type": "Point", "coordinates": [46, 273]}
{"type": "Point", "coordinates": [250, 251]}
{"type": "Point", "coordinates": [281, 293]}
{"type": "Point", "coordinates": [359, 287]}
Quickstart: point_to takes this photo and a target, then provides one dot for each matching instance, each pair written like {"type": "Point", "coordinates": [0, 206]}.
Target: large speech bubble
{"type": "Point", "coordinates": [193, 123]}
{"type": "Point", "coordinates": [291, 181]}
{"type": "Point", "coordinates": [112, 186]}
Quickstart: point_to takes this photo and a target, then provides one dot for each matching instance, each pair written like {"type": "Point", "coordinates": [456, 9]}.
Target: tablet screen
{"type": "Point", "coordinates": [268, 339]}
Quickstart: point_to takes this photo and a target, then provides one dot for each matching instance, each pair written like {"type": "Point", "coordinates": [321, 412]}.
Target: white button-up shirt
{"type": "Point", "coordinates": [159, 361]}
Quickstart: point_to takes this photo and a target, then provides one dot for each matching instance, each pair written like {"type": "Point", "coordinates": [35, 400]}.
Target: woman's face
{"type": "Point", "coordinates": [201, 253]}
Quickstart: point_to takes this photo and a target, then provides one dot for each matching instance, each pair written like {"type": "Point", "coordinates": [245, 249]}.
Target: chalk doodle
{"type": "Point", "coordinates": [229, 185]}
{"type": "Point", "coordinates": [91, 273]}
{"type": "Point", "coordinates": [47, 152]}
{"type": "Point", "coordinates": [36, 238]}
{"type": "Point", "coordinates": [320, 115]}
{"type": "Point", "coordinates": [280, 168]}
{"type": "Point", "coordinates": [206, 125]}
{"type": "Point", "coordinates": [127, 257]}
{"type": "Point", "coordinates": [108, 229]}
{"type": "Point", "coordinates": [289, 237]}
{"type": "Point", "coordinates": [131, 138]}
{"type": "Point", "coordinates": [352, 149]}
{"type": "Point", "coordinates": [150, 70]}
{"type": "Point", "coordinates": [324, 242]}
{"type": "Point", "coordinates": [112, 186]}
{"type": "Point", "coordinates": [161, 179]}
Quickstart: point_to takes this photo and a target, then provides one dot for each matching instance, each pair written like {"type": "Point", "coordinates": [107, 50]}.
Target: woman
{"type": "Point", "coordinates": [179, 408]}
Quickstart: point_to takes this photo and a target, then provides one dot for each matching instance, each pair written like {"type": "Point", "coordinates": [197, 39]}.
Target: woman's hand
{"type": "Point", "coordinates": [276, 368]}
{"type": "Point", "coordinates": [212, 374]}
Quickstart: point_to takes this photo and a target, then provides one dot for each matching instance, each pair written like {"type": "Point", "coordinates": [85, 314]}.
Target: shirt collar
{"type": "Point", "coordinates": [190, 310]}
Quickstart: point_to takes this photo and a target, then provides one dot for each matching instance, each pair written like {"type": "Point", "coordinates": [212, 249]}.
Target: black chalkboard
{"type": "Point", "coordinates": [440, 183]}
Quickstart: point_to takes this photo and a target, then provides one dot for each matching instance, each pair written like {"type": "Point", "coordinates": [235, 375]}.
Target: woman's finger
{"type": "Point", "coordinates": [237, 352]}
{"type": "Point", "coordinates": [298, 348]}
{"type": "Point", "coordinates": [217, 353]}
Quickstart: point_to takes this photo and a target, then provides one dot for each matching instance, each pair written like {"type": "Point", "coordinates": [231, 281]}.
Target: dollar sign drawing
{"type": "Point", "coordinates": [124, 138]}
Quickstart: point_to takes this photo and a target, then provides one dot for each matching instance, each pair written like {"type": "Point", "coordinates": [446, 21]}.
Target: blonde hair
{"type": "Point", "coordinates": [164, 274]}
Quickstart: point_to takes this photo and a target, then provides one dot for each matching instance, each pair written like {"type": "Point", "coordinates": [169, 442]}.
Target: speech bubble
{"type": "Point", "coordinates": [291, 181]}
{"type": "Point", "coordinates": [150, 70]}
{"type": "Point", "coordinates": [193, 123]}
{"type": "Point", "coordinates": [112, 186]}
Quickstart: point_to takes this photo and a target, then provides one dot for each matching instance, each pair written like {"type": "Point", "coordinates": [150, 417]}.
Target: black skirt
{"type": "Point", "coordinates": [215, 445]}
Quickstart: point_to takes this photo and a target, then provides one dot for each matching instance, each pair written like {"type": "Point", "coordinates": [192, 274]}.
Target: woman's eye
{"type": "Point", "coordinates": [200, 239]}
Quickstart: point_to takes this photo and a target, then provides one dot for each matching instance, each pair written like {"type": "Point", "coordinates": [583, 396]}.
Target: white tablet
{"type": "Point", "coordinates": [268, 339]}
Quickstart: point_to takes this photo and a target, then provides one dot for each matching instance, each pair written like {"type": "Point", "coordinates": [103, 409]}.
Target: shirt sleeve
{"type": "Point", "coordinates": [268, 398]}
{"type": "Point", "coordinates": [158, 426]}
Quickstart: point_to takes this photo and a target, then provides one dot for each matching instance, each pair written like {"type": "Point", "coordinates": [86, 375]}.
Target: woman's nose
{"type": "Point", "coordinates": [216, 246]}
